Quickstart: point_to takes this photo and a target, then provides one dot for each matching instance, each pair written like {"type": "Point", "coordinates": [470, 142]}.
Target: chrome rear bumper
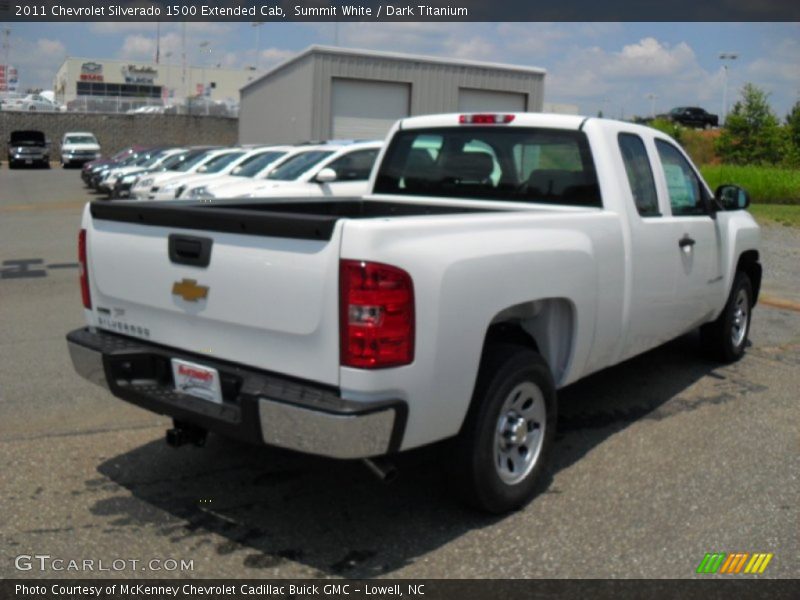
{"type": "Point", "coordinates": [258, 407]}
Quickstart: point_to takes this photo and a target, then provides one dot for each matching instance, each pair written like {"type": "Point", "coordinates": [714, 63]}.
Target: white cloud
{"type": "Point", "coordinates": [272, 56]}
{"type": "Point", "coordinates": [37, 61]}
{"type": "Point", "coordinates": [650, 58]}
{"type": "Point", "coordinates": [138, 47]}
{"type": "Point", "coordinates": [474, 48]}
{"type": "Point", "coordinates": [618, 81]}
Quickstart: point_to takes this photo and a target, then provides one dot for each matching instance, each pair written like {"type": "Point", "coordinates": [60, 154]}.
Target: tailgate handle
{"type": "Point", "coordinates": [190, 250]}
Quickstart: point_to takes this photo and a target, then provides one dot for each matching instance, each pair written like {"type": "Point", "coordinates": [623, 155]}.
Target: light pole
{"type": "Point", "coordinates": [169, 71]}
{"type": "Point", "coordinates": [7, 50]}
{"type": "Point", "coordinates": [652, 97]}
{"type": "Point", "coordinates": [257, 25]}
{"type": "Point", "coordinates": [726, 56]}
{"type": "Point", "coordinates": [203, 46]}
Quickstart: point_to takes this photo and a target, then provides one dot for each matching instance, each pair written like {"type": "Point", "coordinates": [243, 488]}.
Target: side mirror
{"type": "Point", "coordinates": [202, 169]}
{"type": "Point", "coordinates": [236, 170]}
{"type": "Point", "coordinates": [326, 175]}
{"type": "Point", "coordinates": [732, 197]}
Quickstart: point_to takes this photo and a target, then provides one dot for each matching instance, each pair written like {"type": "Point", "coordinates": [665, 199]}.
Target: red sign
{"type": "Point", "coordinates": [91, 77]}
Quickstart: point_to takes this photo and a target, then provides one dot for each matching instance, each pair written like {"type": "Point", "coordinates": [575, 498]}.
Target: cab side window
{"type": "Point", "coordinates": [355, 166]}
{"type": "Point", "coordinates": [686, 193]}
{"type": "Point", "coordinates": [640, 175]}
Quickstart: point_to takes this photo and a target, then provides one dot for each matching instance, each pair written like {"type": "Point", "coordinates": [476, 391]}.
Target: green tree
{"type": "Point", "coordinates": [671, 128]}
{"type": "Point", "coordinates": [793, 123]}
{"type": "Point", "coordinates": [752, 134]}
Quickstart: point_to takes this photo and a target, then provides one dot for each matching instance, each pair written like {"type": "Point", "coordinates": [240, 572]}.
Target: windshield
{"type": "Point", "coordinates": [217, 164]}
{"type": "Point", "coordinates": [192, 162]}
{"type": "Point", "coordinates": [254, 164]}
{"type": "Point", "coordinates": [298, 164]}
{"type": "Point", "coordinates": [121, 154]}
{"type": "Point", "coordinates": [144, 159]}
{"type": "Point", "coordinates": [173, 161]}
{"type": "Point", "coordinates": [131, 159]}
{"type": "Point", "coordinates": [80, 139]}
{"type": "Point", "coordinates": [514, 164]}
{"type": "Point", "coordinates": [154, 160]}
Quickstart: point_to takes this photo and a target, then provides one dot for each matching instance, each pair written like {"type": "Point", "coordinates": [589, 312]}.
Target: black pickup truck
{"type": "Point", "coordinates": [28, 147]}
{"type": "Point", "coordinates": [692, 116]}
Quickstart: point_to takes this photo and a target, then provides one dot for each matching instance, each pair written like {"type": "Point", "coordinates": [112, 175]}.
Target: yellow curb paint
{"type": "Point", "coordinates": [774, 302]}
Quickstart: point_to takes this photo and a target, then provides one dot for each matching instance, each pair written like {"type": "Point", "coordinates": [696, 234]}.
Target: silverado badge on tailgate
{"type": "Point", "coordinates": [189, 290]}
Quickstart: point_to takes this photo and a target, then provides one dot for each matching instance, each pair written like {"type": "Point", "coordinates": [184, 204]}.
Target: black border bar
{"type": "Point", "coordinates": [277, 11]}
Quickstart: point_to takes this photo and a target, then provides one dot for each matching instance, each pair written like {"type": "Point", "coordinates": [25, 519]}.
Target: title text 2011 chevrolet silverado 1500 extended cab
{"type": "Point", "coordinates": [497, 259]}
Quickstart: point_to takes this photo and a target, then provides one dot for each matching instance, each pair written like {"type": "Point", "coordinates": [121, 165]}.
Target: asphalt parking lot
{"type": "Point", "coordinates": [659, 460]}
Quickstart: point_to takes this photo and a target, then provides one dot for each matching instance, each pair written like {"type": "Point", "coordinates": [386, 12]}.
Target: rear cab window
{"type": "Point", "coordinates": [518, 164]}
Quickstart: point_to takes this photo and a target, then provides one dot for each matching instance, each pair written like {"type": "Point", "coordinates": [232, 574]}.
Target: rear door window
{"type": "Point", "coordinates": [640, 174]}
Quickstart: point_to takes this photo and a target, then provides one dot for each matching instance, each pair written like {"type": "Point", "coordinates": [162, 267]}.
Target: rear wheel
{"type": "Point", "coordinates": [726, 338]}
{"type": "Point", "coordinates": [498, 460]}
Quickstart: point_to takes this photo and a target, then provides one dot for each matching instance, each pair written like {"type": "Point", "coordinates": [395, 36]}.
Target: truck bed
{"type": "Point", "coordinates": [277, 217]}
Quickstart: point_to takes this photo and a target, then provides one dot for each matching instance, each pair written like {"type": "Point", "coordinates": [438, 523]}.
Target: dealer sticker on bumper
{"type": "Point", "coordinates": [196, 380]}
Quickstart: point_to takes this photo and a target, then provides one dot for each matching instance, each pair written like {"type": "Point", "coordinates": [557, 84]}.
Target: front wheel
{"type": "Point", "coordinates": [499, 458]}
{"type": "Point", "coordinates": [726, 338]}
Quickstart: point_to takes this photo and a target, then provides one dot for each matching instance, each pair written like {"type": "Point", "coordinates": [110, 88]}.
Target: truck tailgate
{"type": "Point", "coordinates": [262, 300]}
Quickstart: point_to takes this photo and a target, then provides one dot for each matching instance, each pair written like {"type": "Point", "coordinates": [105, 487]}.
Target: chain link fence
{"type": "Point", "coordinates": [197, 106]}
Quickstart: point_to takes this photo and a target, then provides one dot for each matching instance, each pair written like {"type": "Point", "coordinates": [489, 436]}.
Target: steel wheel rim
{"type": "Point", "coordinates": [741, 316]}
{"type": "Point", "coordinates": [519, 434]}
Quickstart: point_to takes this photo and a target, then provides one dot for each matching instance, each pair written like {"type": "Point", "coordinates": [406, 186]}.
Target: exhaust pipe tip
{"type": "Point", "coordinates": [382, 469]}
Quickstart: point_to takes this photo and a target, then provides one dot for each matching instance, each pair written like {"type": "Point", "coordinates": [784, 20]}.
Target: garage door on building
{"type": "Point", "coordinates": [470, 100]}
{"type": "Point", "coordinates": [365, 110]}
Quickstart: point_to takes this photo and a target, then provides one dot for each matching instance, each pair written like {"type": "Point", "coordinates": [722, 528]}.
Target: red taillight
{"type": "Point", "coordinates": [84, 271]}
{"type": "Point", "coordinates": [376, 321]}
{"type": "Point", "coordinates": [485, 119]}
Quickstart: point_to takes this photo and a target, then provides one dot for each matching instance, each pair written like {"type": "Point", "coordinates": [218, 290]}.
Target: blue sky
{"type": "Point", "coordinates": [608, 66]}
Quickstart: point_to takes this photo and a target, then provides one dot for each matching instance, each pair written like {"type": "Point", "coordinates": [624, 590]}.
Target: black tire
{"type": "Point", "coordinates": [472, 459]}
{"type": "Point", "coordinates": [719, 337]}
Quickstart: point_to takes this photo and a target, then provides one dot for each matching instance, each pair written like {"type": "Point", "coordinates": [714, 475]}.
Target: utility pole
{"type": "Point", "coordinates": [652, 97]}
{"type": "Point", "coordinates": [169, 73]}
{"type": "Point", "coordinates": [726, 56]}
{"type": "Point", "coordinates": [158, 41]}
{"type": "Point", "coordinates": [203, 46]}
{"type": "Point", "coordinates": [257, 25]}
{"type": "Point", "coordinates": [7, 52]}
{"type": "Point", "coordinates": [183, 62]}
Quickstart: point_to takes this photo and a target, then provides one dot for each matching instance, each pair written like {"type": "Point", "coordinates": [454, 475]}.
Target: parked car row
{"type": "Point", "coordinates": [32, 103]}
{"type": "Point", "coordinates": [334, 168]}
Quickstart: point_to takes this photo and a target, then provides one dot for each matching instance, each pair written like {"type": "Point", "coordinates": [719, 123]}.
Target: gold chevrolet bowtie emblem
{"type": "Point", "coordinates": [189, 290]}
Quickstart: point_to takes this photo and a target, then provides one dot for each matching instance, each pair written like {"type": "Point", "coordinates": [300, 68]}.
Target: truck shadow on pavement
{"type": "Point", "coordinates": [266, 512]}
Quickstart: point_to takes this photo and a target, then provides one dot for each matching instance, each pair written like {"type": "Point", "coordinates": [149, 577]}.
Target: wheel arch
{"type": "Point", "coordinates": [749, 264]}
{"type": "Point", "coordinates": [546, 326]}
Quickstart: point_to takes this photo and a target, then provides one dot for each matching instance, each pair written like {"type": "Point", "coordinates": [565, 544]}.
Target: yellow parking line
{"type": "Point", "coordinates": [774, 302]}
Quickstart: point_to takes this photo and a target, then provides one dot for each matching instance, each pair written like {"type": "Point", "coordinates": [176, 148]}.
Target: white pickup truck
{"type": "Point", "coordinates": [498, 258]}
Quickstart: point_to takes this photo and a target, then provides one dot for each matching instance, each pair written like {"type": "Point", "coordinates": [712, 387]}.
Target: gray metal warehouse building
{"type": "Point", "coordinates": [339, 93]}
